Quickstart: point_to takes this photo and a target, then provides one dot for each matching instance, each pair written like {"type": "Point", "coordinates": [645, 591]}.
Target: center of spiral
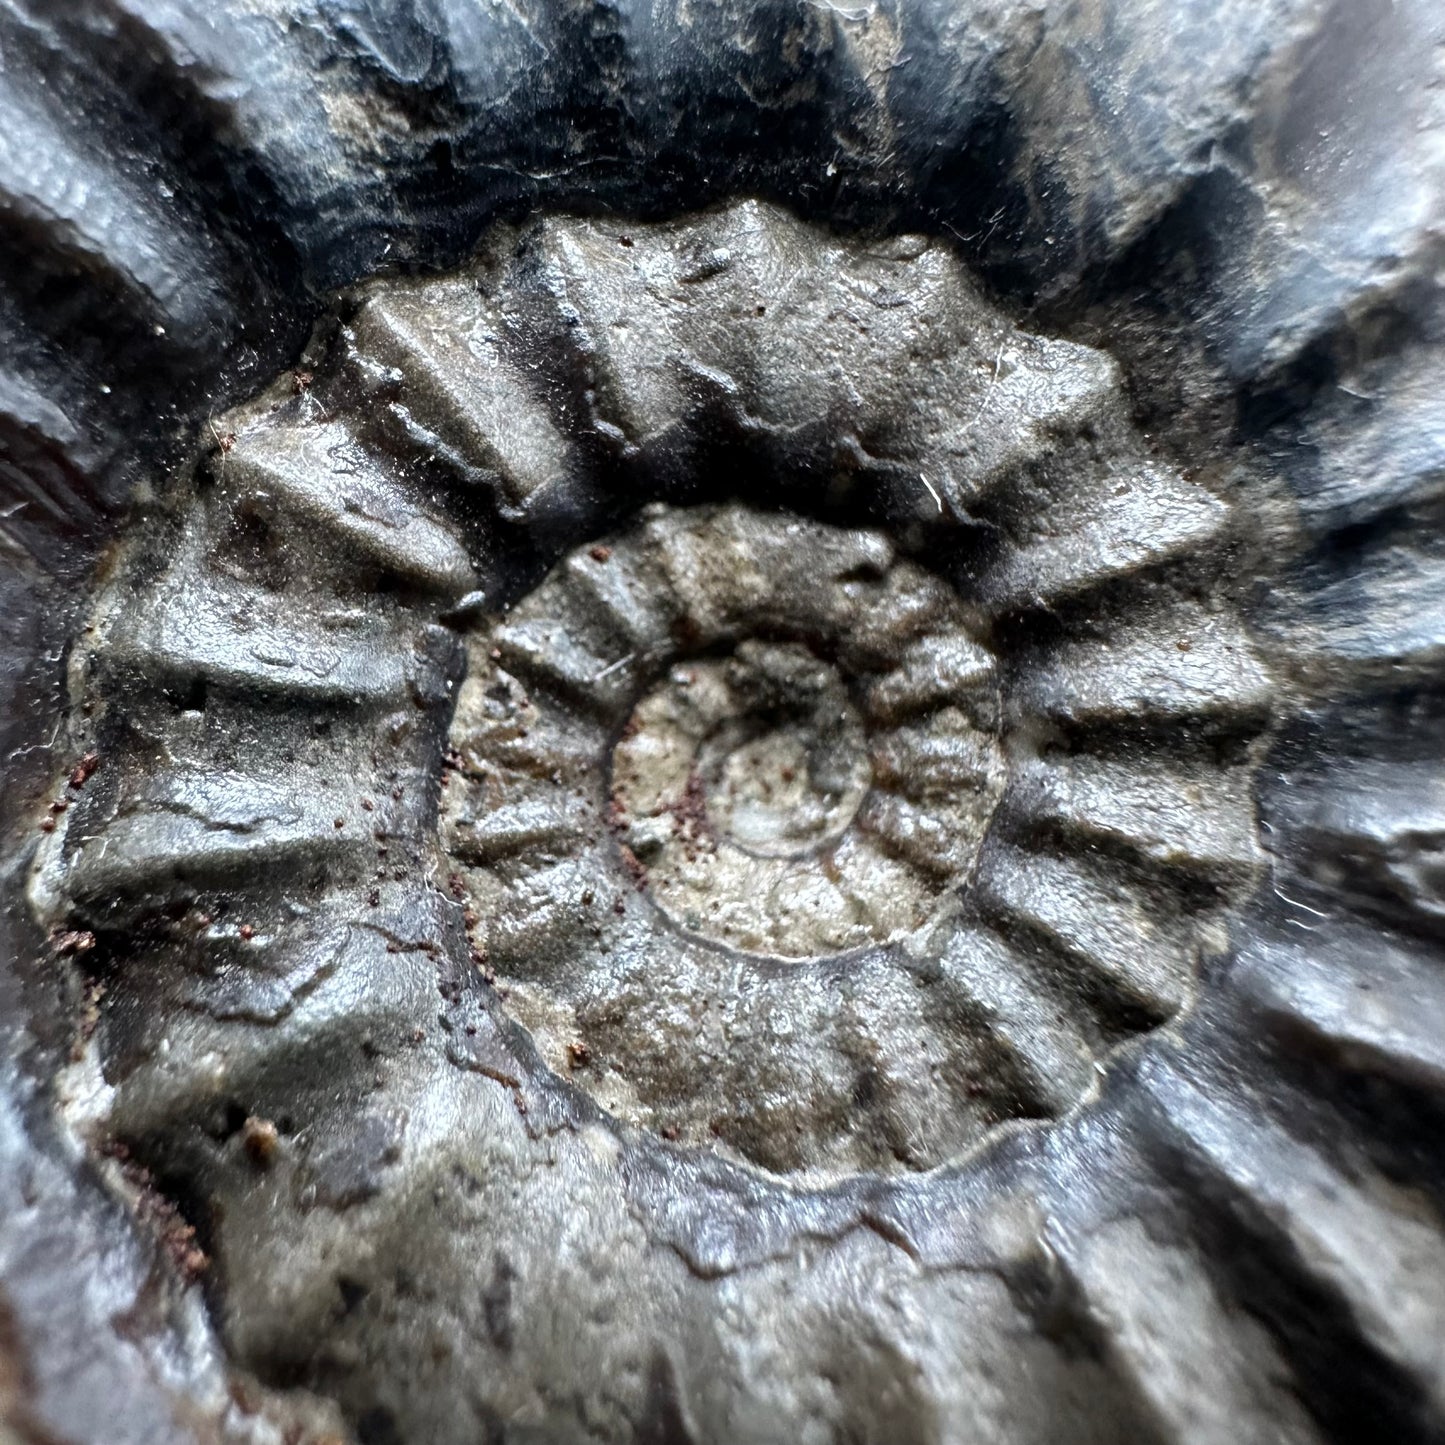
{"type": "Point", "coordinates": [787, 788]}
{"type": "Point", "coordinates": [735, 785]}
{"type": "Point", "coordinates": [789, 732]}
{"type": "Point", "coordinates": [763, 749]}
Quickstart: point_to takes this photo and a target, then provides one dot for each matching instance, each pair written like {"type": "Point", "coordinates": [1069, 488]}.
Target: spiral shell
{"type": "Point", "coordinates": [1002, 761]}
{"type": "Point", "coordinates": [792, 738]}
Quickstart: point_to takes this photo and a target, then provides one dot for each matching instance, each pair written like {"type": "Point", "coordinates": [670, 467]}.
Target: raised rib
{"type": "Point", "coordinates": [1385, 622]}
{"type": "Point", "coordinates": [549, 907]}
{"type": "Point", "coordinates": [1096, 527]}
{"type": "Point", "coordinates": [919, 836]}
{"type": "Point", "coordinates": [139, 240]}
{"type": "Point", "coordinates": [320, 477]}
{"type": "Point", "coordinates": [1035, 393]}
{"type": "Point", "coordinates": [539, 823]}
{"type": "Point", "coordinates": [937, 759]}
{"type": "Point", "coordinates": [1103, 928]}
{"type": "Point", "coordinates": [1198, 819]}
{"type": "Point", "coordinates": [942, 668]}
{"type": "Point", "coordinates": [189, 829]}
{"type": "Point", "coordinates": [459, 385]}
{"type": "Point", "coordinates": [616, 591]}
{"type": "Point", "coordinates": [1370, 1004]}
{"type": "Point", "coordinates": [509, 736]}
{"type": "Point", "coordinates": [547, 654]}
{"type": "Point", "coordinates": [1181, 664]}
{"type": "Point", "coordinates": [362, 987]}
{"type": "Point", "coordinates": [628, 331]}
{"type": "Point", "coordinates": [1153, 1303]}
{"type": "Point", "coordinates": [1000, 978]}
{"type": "Point", "coordinates": [1362, 1242]}
{"type": "Point", "coordinates": [238, 637]}
{"type": "Point", "coordinates": [1373, 832]}
{"type": "Point", "coordinates": [1393, 457]}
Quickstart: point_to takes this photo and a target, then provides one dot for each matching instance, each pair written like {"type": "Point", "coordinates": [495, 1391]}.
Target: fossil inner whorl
{"type": "Point", "coordinates": [766, 741]}
{"type": "Point", "coordinates": [808, 752]}
{"type": "Point", "coordinates": [732, 774]}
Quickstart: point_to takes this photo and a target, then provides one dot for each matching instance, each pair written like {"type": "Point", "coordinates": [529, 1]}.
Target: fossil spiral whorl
{"type": "Point", "coordinates": [1236, 1239]}
{"type": "Point", "coordinates": [461, 422]}
{"type": "Point", "coordinates": [988, 641]}
{"type": "Point", "coordinates": [820, 975]}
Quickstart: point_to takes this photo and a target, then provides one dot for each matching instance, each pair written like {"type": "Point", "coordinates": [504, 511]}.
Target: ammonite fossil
{"type": "Point", "coordinates": [759, 759]}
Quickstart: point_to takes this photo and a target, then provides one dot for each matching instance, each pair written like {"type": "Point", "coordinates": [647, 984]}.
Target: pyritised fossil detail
{"type": "Point", "coordinates": [253, 1010]}
{"type": "Point", "coordinates": [691, 727]}
{"type": "Point", "coordinates": [795, 749]}
{"type": "Point", "coordinates": [780, 842]}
